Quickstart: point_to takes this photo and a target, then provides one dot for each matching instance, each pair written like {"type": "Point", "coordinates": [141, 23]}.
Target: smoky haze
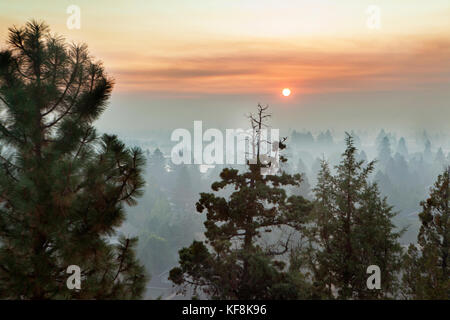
{"type": "Point", "coordinates": [165, 219]}
{"type": "Point", "coordinates": [135, 115]}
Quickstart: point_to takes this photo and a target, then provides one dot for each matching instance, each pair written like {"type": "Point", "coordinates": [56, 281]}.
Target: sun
{"type": "Point", "coordinates": [286, 92]}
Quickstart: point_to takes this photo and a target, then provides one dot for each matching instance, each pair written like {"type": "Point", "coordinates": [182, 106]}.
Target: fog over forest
{"type": "Point", "coordinates": [165, 219]}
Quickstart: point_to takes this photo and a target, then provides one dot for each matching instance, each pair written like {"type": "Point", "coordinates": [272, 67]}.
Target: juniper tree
{"type": "Point", "coordinates": [427, 264]}
{"type": "Point", "coordinates": [63, 187]}
{"type": "Point", "coordinates": [234, 262]}
{"type": "Point", "coordinates": [352, 229]}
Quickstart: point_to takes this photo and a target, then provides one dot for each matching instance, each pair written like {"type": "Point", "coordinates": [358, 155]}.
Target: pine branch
{"type": "Point", "coordinates": [122, 259]}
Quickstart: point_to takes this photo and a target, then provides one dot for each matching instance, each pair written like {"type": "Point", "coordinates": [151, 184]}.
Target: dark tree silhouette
{"type": "Point", "coordinates": [233, 263]}
{"type": "Point", "coordinates": [62, 186]}
{"type": "Point", "coordinates": [352, 230]}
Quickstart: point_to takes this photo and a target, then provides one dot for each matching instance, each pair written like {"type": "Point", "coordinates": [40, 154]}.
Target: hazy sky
{"type": "Point", "coordinates": [175, 61]}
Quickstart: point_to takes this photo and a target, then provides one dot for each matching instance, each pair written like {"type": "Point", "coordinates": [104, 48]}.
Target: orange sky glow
{"type": "Point", "coordinates": [255, 46]}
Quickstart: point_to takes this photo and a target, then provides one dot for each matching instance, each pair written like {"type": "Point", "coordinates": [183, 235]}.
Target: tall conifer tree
{"type": "Point", "coordinates": [62, 186]}
{"type": "Point", "coordinates": [427, 265]}
{"type": "Point", "coordinates": [352, 230]}
{"type": "Point", "coordinates": [233, 263]}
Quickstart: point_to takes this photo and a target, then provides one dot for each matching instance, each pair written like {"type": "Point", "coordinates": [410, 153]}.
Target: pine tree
{"type": "Point", "coordinates": [427, 153]}
{"type": "Point", "coordinates": [356, 139]}
{"type": "Point", "coordinates": [156, 162]}
{"type": "Point", "coordinates": [427, 264]}
{"type": "Point", "coordinates": [381, 135]}
{"type": "Point", "coordinates": [156, 169]}
{"type": "Point", "coordinates": [401, 148]}
{"type": "Point", "coordinates": [384, 151]}
{"type": "Point", "coordinates": [62, 186]}
{"type": "Point", "coordinates": [440, 157]}
{"type": "Point", "coordinates": [352, 230]}
{"type": "Point", "coordinates": [439, 162]}
{"type": "Point", "coordinates": [234, 262]}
